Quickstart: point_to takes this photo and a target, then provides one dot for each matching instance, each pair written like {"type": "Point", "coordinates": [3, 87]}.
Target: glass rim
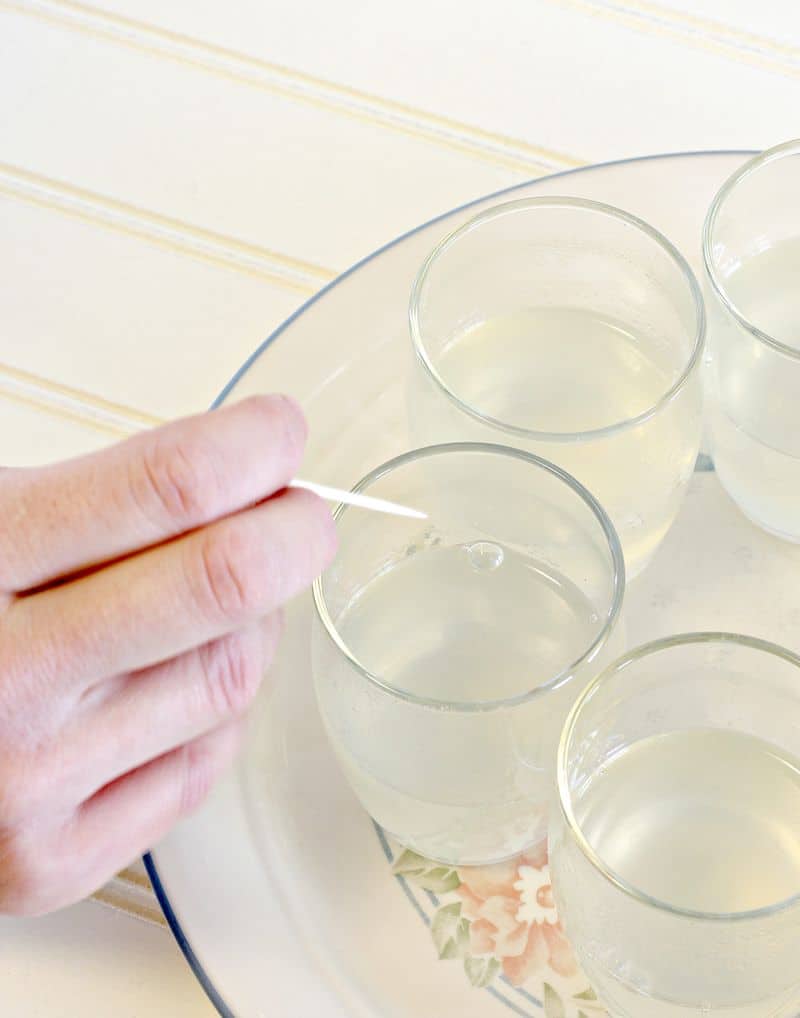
{"type": "Point", "coordinates": [556, 202]}
{"type": "Point", "coordinates": [786, 148]}
{"type": "Point", "coordinates": [565, 797]}
{"type": "Point", "coordinates": [561, 677]}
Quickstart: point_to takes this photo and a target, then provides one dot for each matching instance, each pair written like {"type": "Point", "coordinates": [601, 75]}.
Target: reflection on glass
{"type": "Point", "coordinates": [751, 247]}
{"type": "Point", "coordinates": [675, 853]}
{"type": "Point", "coordinates": [574, 331]}
{"type": "Point", "coordinates": [447, 652]}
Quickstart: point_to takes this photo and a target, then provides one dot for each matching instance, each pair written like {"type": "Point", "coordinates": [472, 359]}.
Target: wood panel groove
{"type": "Point", "coordinates": [75, 404]}
{"type": "Point", "coordinates": [500, 149]}
{"type": "Point", "coordinates": [701, 33]}
{"type": "Point", "coordinates": [133, 897]}
{"type": "Point", "coordinates": [279, 269]}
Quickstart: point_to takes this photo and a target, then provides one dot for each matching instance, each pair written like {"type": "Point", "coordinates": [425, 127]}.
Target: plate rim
{"type": "Point", "coordinates": [149, 861]}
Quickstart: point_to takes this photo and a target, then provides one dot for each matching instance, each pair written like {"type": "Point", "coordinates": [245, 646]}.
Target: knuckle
{"type": "Point", "coordinates": [197, 777]}
{"type": "Point", "coordinates": [176, 482]}
{"type": "Point", "coordinates": [228, 587]}
{"type": "Point", "coordinates": [233, 675]}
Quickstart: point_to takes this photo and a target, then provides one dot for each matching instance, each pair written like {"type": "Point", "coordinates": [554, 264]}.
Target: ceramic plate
{"type": "Point", "coordinates": [282, 893]}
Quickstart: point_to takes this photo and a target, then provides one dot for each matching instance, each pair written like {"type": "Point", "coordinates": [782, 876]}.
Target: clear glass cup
{"type": "Point", "coordinates": [675, 853]}
{"type": "Point", "coordinates": [574, 331]}
{"type": "Point", "coordinates": [447, 652]}
{"type": "Point", "coordinates": [751, 250]}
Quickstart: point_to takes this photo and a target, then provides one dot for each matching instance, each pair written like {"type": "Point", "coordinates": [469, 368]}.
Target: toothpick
{"type": "Point", "coordinates": [355, 498]}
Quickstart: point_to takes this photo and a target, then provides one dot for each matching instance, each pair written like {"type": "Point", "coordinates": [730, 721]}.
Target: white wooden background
{"type": "Point", "coordinates": [177, 176]}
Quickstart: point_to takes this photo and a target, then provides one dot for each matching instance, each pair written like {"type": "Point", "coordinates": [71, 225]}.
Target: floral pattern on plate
{"type": "Point", "coordinates": [500, 922]}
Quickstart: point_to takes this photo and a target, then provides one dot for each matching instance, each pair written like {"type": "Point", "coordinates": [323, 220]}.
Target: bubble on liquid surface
{"type": "Point", "coordinates": [484, 556]}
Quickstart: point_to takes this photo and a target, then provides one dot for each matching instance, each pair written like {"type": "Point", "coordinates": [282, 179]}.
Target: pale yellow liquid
{"type": "Point", "coordinates": [766, 289]}
{"type": "Point", "coordinates": [570, 372]}
{"type": "Point", "coordinates": [479, 622]}
{"type": "Point", "coordinates": [708, 821]}
{"type": "Point", "coordinates": [756, 434]}
{"type": "Point", "coordinates": [555, 370]}
{"type": "Point", "coordinates": [467, 624]}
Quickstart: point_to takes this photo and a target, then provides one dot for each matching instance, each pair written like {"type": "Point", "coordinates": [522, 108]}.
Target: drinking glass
{"type": "Point", "coordinates": [751, 250]}
{"type": "Point", "coordinates": [447, 652]}
{"type": "Point", "coordinates": [675, 850]}
{"type": "Point", "coordinates": [574, 331]}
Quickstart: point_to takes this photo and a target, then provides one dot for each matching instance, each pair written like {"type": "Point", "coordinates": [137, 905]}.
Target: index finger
{"type": "Point", "coordinates": [60, 519]}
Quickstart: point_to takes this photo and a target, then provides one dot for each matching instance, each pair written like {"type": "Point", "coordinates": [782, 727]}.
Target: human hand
{"type": "Point", "coordinates": [140, 594]}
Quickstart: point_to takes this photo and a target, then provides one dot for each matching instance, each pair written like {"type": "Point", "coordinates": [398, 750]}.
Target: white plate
{"type": "Point", "coordinates": [279, 890]}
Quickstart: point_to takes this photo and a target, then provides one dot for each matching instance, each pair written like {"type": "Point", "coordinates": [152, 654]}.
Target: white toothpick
{"type": "Point", "coordinates": [356, 498]}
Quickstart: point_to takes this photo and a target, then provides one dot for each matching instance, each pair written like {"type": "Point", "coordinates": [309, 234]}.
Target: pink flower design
{"type": "Point", "coordinates": [500, 902]}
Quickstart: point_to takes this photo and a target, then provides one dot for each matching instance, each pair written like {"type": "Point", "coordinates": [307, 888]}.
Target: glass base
{"type": "Point", "coordinates": [773, 531]}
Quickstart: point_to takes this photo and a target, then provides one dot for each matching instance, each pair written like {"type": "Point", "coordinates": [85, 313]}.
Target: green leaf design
{"type": "Point", "coordinates": [553, 1004]}
{"type": "Point", "coordinates": [587, 994]}
{"type": "Point", "coordinates": [461, 940]}
{"type": "Point", "coordinates": [481, 971]}
{"type": "Point", "coordinates": [439, 880]}
{"type": "Point", "coordinates": [582, 1014]}
{"type": "Point", "coordinates": [431, 876]}
{"type": "Point", "coordinates": [450, 931]}
{"type": "Point", "coordinates": [409, 862]}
